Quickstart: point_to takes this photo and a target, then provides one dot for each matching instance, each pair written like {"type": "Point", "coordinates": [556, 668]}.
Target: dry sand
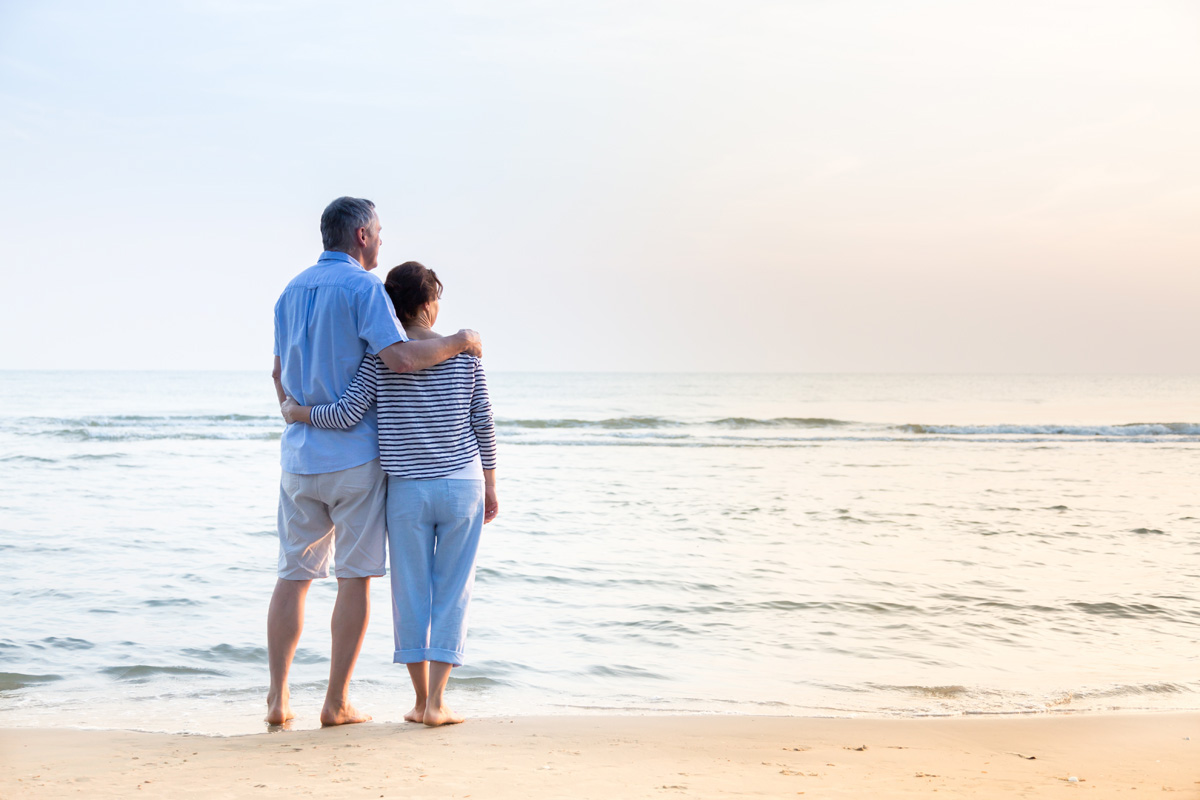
{"type": "Point", "coordinates": [624, 757]}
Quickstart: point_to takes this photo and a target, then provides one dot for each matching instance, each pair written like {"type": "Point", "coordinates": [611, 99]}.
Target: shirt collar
{"type": "Point", "coordinates": [334, 255]}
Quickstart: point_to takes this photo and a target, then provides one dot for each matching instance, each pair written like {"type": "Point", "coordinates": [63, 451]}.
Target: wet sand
{"type": "Point", "coordinates": [626, 757]}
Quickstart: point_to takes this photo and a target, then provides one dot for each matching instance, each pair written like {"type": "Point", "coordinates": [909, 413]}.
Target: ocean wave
{"type": "Point", "coordinates": [651, 422]}
{"type": "Point", "coordinates": [228, 653]}
{"type": "Point", "coordinates": [725, 432]}
{"type": "Point", "coordinates": [1122, 611]}
{"type": "Point", "coordinates": [68, 643]}
{"type": "Point", "coordinates": [134, 427]}
{"type": "Point", "coordinates": [983, 700]}
{"type": "Point", "coordinates": [617, 423]}
{"type": "Point", "coordinates": [938, 692]}
{"type": "Point", "coordinates": [638, 423]}
{"type": "Point", "coordinates": [1133, 429]}
{"type": "Point", "coordinates": [10, 681]}
{"type": "Point", "coordinates": [1134, 690]}
{"type": "Point", "coordinates": [780, 422]}
{"type": "Point", "coordinates": [233, 654]}
{"type": "Point", "coordinates": [777, 441]}
{"type": "Point", "coordinates": [125, 420]}
{"type": "Point", "coordinates": [733, 607]}
{"type": "Point", "coordinates": [635, 429]}
{"type": "Point", "coordinates": [624, 671]}
{"type": "Point", "coordinates": [143, 672]}
{"type": "Point", "coordinates": [151, 434]}
{"type": "Point", "coordinates": [476, 682]}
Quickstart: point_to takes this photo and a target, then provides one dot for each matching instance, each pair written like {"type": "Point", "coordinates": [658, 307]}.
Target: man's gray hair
{"type": "Point", "coordinates": [342, 219]}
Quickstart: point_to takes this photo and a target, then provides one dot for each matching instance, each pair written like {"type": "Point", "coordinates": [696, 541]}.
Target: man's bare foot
{"type": "Point", "coordinates": [417, 714]}
{"type": "Point", "coordinates": [279, 710]}
{"type": "Point", "coordinates": [342, 715]}
{"type": "Point", "coordinates": [440, 715]}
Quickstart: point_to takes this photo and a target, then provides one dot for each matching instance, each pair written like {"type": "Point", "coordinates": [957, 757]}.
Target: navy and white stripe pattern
{"type": "Point", "coordinates": [432, 423]}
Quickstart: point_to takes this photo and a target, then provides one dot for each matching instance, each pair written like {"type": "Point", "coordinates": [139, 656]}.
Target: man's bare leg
{"type": "Point", "coordinates": [419, 673]}
{"type": "Point", "coordinates": [285, 621]}
{"type": "Point", "coordinates": [349, 625]}
{"type": "Point", "coordinates": [436, 710]}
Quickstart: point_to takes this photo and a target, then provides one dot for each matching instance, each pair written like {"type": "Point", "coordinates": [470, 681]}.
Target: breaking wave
{"type": "Point", "coordinates": [147, 428]}
{"type": "Point", "coordinates": [1133, 429]}
{"type": "Point", "coordinates": [632, 429]}
{"type": "Point", "coordinates": [634, 423]}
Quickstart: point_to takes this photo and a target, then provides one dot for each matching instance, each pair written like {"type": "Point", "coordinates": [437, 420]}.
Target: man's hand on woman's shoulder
{"type": "Point", "coordinates": [472, 343]}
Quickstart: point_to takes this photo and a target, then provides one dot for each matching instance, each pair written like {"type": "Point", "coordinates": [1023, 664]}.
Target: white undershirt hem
{"type": "Point", "coordinates": [471, 472]}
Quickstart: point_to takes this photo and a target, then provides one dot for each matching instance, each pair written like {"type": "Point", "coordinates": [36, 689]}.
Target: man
{"type": "Point", "coordinates": [332, 496]}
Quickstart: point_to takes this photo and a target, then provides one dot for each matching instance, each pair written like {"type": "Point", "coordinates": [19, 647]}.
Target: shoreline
{"type": "Point", "coordinates": [1111, 755]}
{"type": "Point", "coordinates": [302, 724]}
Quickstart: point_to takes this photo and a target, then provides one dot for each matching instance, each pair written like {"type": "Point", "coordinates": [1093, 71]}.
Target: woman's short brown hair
{"type": "Point", "coordinates": [411, 285]}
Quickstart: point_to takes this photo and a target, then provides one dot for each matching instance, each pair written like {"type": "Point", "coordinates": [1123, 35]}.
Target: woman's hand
{"type": "Point", "coordinates": [288, 409]}
{"type": "Point", "coordinates": [491, 506]}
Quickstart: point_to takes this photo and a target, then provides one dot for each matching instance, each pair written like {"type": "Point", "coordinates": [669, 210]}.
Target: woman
{"type": "Point", "coordinates": [437, 444]}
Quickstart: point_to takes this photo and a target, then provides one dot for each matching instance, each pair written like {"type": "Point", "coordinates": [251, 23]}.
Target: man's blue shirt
{"type": "Point", "coordinates": [327, 318]}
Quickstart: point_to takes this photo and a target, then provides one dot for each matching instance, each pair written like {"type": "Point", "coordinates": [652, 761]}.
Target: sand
{"type": "Point", "coordinates": [626, 757]}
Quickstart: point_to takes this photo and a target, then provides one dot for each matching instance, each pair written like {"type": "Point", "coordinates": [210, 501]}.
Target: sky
{"type": "Point", "coordinates": [805, 186]}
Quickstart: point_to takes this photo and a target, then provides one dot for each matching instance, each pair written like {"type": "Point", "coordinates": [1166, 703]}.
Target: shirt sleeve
{"type": "Point", "coordinates": [481, 419]}
{"type": "Point", "coordinates": [349, 409]}
{"type": "Point", "coordinates": [377, 323]}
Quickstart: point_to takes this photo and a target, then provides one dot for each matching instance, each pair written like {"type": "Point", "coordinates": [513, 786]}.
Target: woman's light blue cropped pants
{"type": "Point", "coordinates": [433, 536]}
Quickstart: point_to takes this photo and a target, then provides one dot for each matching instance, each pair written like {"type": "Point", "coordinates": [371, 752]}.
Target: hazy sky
{"type": "Point", "coordinates": [800, 186]}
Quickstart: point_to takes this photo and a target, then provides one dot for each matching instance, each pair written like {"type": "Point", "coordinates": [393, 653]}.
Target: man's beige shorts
{"type": "Point", "coordinates": [339, 515]}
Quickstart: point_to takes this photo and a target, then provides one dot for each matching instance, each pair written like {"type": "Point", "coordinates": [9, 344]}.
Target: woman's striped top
{"type": "Point", "coordinates": [432, 423]}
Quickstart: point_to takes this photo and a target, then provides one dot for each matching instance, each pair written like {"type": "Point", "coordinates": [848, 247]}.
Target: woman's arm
{"type": "Point", "coordinates": [350, 407]}
{"type": "Point", "coordinates": [491, 506]}
{"type": "Point", "coordinates": [485, 435]}
{"type": "Point", "coordinates": [481, 419]}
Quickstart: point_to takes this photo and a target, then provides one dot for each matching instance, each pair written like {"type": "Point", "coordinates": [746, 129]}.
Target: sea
{"type": "Point", "coordinates": [805, 545]}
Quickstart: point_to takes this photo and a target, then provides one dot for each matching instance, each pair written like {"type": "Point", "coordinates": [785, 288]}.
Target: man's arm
{"type": "Point", "coordinates": [417, 354]}
{"type": "Point", "coordinates": [277, 376]}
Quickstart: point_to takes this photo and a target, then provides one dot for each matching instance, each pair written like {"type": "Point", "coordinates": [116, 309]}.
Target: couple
{"type": "Point", "coordinates": [389, 437]}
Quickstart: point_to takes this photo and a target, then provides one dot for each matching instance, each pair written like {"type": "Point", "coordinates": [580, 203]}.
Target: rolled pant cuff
{"type": "Point", "coordinates": [414, 656]}
{"type": "Point", "coordinates": [419, 654]}
{"type": "Point", "coordinates": [446, 656]}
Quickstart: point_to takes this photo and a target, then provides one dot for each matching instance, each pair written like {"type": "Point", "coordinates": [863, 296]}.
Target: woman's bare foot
{"type": "Point", "coordinates": [279, 710]}
{"type": "Point", "coordinates": [417, 714]}
{"type": "Point", "coordinates": [440, 715]}
{"type": "Point", "coordinates": [419, 673]}
{"type": "Point", "coordinates": [342, 715]}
